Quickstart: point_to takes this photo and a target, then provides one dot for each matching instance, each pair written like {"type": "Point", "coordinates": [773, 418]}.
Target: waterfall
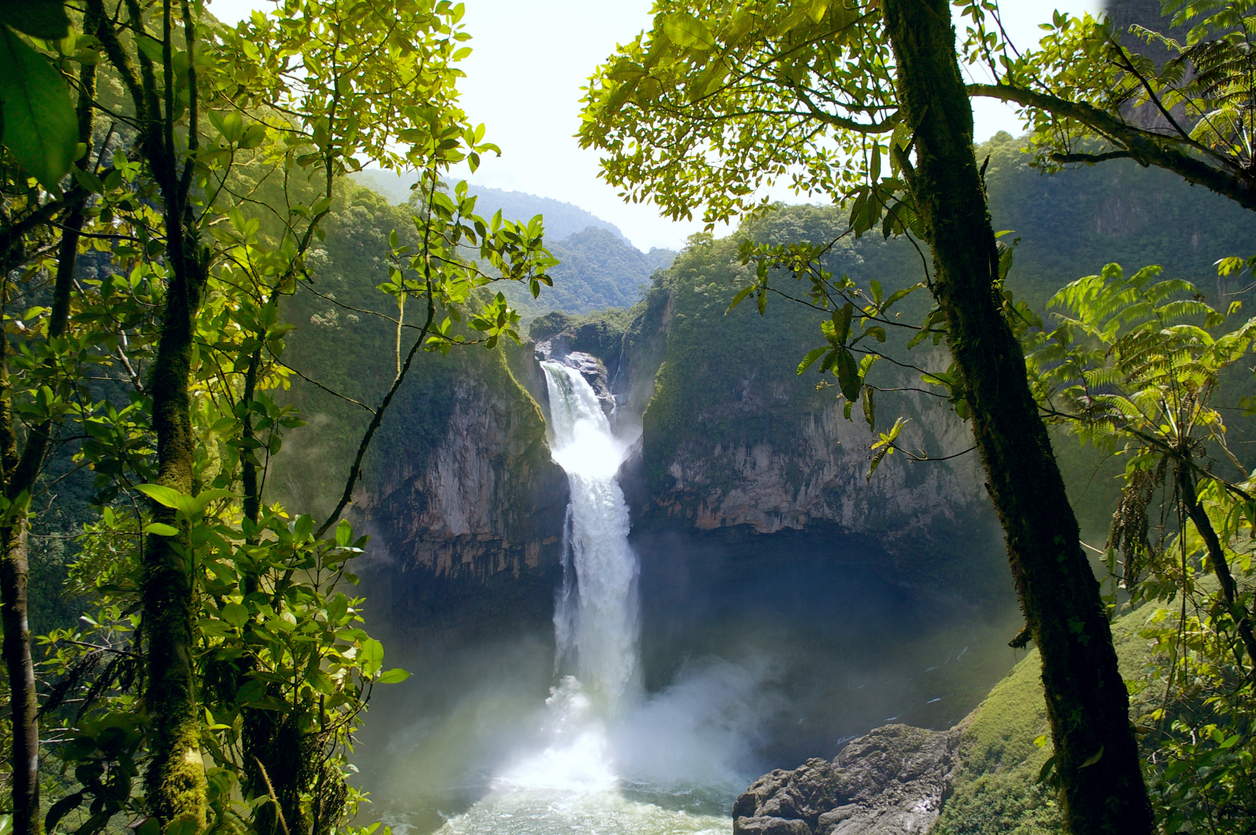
{"type": "Point", "coordinates": [606, 757]}
{"type": "Point", "coordinates": [595, 616]}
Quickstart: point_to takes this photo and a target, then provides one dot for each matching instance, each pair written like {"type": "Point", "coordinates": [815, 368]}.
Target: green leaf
{"type": "Point", "coordinates": [236, 614]}
{"type": "Point", "coordinates": [1044, 774]}
{"type": "Point", "coordinates": [232, 127]}
{"type": "Point", "coordinates": [394, 676]}
{"type": "Point", "coordinates": [741, 295]}
{"type": "Point", "coordinates": [170, 497]}
{"type": "Point", "coordinates": [848, 375]}
{"type": "Point", "coordinates": [59, 809]}
{"type": "Point", "coordinates": [38, 18]}
{"type": "Point", "coordinates": [161, 529]}
{"type": "Point", "coordinates": [337, 608]}
{"type": "Point", "coordinates": [321, 682]}
{"type": "Point", "coordinates": [687, 31]}
{"type": "Point", "coordinates": [841, 323]}
{"type": "Point", "coordinates": [371, 656]}
{"type": "Point", "coordinates": [812, 355]}
{"type": "Point", "coordinates": [204, 497]}
{"type": "Point", "coordinates": [40, 128]}
{"type": "Point", "coordinates": [1093, 758]}
{"type": "Point", "coordinates": [344, 533]}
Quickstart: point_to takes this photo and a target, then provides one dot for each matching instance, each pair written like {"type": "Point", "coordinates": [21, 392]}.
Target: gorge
{"type": "Point", "coordinates": [341, 493]}
{"type": "Point", "coordinates": [785, 599]}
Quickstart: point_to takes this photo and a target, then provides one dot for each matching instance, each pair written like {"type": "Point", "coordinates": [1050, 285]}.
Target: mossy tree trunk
{"type": "Point", "coordinates": [14, 578]}
{"type": "Point", "coordinates": [168, 139]}
{"type": "Point", "coordinates": [19, 472]}
{"type": "Point", "coordinates": [1096, 758]}
{"type": "Point", "coordinates": [176, 776]}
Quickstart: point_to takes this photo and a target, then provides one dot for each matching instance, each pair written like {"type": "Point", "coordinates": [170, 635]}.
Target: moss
{"type": "Point", "coordinates": [996, 791]}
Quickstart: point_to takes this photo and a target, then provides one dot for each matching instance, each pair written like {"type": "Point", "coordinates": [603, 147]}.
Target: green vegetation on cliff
{"type": "Point", "coordinates": [347, 342]}
{"type": "Point", "coordinates": [997, 790]}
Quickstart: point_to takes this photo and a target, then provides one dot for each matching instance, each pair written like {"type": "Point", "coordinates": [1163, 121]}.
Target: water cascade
{"type": "Point", "coordinates": [609, 760]}
{"type": "Point", "coordinates": [595, 617]}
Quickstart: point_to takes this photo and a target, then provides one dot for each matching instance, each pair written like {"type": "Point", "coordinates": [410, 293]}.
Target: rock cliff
{"type": "Point", "coordinates": [890, 782]}
{"type": "Point", "coordinates": [814, 468]}
{"type": "Point", "coordinates": [476, 507]}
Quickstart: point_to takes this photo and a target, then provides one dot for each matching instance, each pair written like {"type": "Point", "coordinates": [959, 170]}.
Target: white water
{"type": "Point", "coordinates": [595, 616]}
{"type": "Point", "coordinates": [610, 760]}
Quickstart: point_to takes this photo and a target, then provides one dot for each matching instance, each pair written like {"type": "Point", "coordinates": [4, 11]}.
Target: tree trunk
{"type": "Point", "coordinates": [176, 777]}
{"type": "Point", "coordinates": [1096, 758]}
{"type": "Point", "coordinates": [176, 781]}
{"type": "Point", "coordinates": [19, 476]}
{"type": "Point", "coordinates": [1216, 559]}
{"type": "Point", "coordinates": [14, 575]}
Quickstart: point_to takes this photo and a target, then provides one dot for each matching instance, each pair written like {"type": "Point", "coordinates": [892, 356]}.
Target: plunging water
{"type": "Point", "coordinates": [595, 617]}
{"type": "Point", "coordinates": [609, 760]}
{"type": "Point", "coordinates": [767, 655]}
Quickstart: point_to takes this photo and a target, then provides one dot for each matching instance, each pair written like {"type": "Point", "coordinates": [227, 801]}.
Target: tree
{"type": "Point", "coordinates": [720, 98]}
{"type": "Point", "coordinates": [1133, 366]}
{"type": "Point", "coordinates": [207, 230]}
{"type": "Point", "coordinates": [1190, 113]}
{"type": "Point", "coordinates": [43, 128]}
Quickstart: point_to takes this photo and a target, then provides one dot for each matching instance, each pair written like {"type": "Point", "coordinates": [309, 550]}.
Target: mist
{"type": "Point", "coordinates": [749, 663]}
{"type": "Point", "coordinates": [666, 669]}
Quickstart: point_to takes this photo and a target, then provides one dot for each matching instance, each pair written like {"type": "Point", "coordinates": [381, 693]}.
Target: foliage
{"type": "Point", "coordinates": [1181, 106]}
{"type": "Point", "coordinates": [720, 99]}
{"type": "Point", "coordinates": [37, 121]}
{"type": "Point", "coordinates": [1134, 366]}
{"type": "Point", "coordinates": [219, 628]}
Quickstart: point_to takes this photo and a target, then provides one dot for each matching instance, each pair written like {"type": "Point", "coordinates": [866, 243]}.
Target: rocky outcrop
{"type": "Point", "coordinates": [816, 470]}
{"type": "Point", "coordinates": [481, 509]}
{"type": "Point", "coordinates": [890, 782]}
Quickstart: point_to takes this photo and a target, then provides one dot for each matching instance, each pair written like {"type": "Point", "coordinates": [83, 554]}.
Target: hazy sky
{"type": "Point", "coordinates": [524, 76]}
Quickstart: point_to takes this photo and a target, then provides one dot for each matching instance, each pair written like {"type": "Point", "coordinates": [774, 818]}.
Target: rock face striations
{"type": "Point", "coordinates": [476, 516]}
{"type": "Point", "coordinates": [890, 782]}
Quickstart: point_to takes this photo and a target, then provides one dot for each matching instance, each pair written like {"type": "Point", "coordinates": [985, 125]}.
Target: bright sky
{"type": "Point", "coordinates": [524, 78]}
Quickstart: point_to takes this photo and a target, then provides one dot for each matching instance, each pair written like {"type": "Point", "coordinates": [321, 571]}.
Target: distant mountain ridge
{"type": "Point", "coordinates": [562, 219]}
{"type": "Point", "coordinates": [599, 269]}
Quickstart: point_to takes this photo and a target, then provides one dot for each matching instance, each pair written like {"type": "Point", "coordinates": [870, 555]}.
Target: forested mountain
{"type": "Point", "coordinates": [561, 219]}
{"type": "Point", "coordinates": [670, 521]}
{"type": "Point", "coordinates": [598, 268]}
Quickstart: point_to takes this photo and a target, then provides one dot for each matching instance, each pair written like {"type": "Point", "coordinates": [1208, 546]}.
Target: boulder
{"type": "Point", "coordinates": [890, 782]}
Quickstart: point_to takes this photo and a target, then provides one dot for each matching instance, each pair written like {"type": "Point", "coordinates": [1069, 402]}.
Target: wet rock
{"type": "Point", "coordinates": [773, 826]}
{"type": "Point", "coordinates": [890, 782]}
{"type": "Point", "coordinates": [558, 349]}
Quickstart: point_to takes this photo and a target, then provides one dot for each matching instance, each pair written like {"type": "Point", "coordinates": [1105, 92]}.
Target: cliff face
{"type": "Point", "coordinates": [814, 469]}
{"type": "Point", "coordinates": [733, 438]}
{"type": "Point", "coordinates": [477, 507]}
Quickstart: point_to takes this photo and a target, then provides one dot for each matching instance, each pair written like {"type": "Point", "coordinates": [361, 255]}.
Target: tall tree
{"type": "Point", "coordinates": [202, 249]}
{"type": "Point", "coordinates": [721, 97]}
{"type": "Point", "coordinates": [40, 141]}
{"type": "Point", "coordinates": [1087, 703]}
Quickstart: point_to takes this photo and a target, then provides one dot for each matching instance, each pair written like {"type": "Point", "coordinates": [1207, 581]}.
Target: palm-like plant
{"type": "Point", "coordinates": [1132, 367]}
